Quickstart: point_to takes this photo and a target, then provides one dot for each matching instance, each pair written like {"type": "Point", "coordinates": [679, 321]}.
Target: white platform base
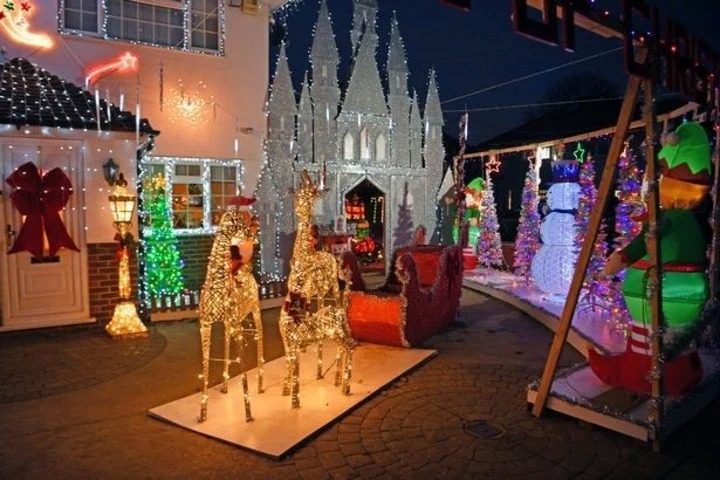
{"type": "Point", "coordinates": [576, 394]}
{"type": "Point", "coordinates": [277, 428]}
{"type": "Point", "coordinates": [588, 326]}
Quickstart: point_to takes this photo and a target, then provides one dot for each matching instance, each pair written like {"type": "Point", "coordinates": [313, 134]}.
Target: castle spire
{"type": "Point", "coordinates": [365, 93]}
{"type": "Point", "coordinates": [305, 124]}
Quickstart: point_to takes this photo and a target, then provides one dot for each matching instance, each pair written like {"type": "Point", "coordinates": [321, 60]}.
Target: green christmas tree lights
{"type": "Point", "coordinates": [162, 258]}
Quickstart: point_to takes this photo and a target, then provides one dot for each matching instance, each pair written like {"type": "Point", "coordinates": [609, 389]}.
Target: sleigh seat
{"type": "Point", "coordinates": [420, 296]}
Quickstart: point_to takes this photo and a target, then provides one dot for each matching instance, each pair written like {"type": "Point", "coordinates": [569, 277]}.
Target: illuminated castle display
{"type": "Point", "coordinates": [369, 129]}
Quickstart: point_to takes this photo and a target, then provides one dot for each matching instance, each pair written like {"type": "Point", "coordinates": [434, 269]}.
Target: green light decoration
{"type": "Point", "coordinates": [164, 265]}
{"type": "Point", "coordinates": [579, 153]}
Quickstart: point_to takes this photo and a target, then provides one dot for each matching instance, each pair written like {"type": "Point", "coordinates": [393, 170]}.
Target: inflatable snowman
{"type": "Point", "coordinates": [554, 264]}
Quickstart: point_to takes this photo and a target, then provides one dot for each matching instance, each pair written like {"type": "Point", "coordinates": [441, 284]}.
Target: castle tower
{"type": "Point", "coordinates": [416, 160]}
{"type": "Point", "coordinates": [324, 91]}
{"type": "Point", "coordinates": [305, 125]}
{"type": "Point", "coordinates": [398, 98]}
{"type": "Point", "coordinates": [269, 211]}
{"type": "Point", "coordinates": [364, 122]}
{"type": "Point", "coordinates": [282, 112]}
{"type": "Point", "coordinates": [364, 18]}
{"type": "Point", "coordinates": [434, 152]}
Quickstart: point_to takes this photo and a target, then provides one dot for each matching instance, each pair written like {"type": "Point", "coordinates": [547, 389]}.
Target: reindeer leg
{"type": "Point", "coordinates": [295, 384]}
{"type": "Point", "coordinates": [226, 359]}
{"type": "Point", "coordinates": [339, 362]}
{"type": "Point", "coordinates": [244, 383]}
{"type": "Point", "coordinates": [260, 349]}
{"type": "Point", "coordinates": [347, 368]}
{"type": "Point", "coordinates": [320, 360]}
{"type": "Point", "coordinates": [205, 330]}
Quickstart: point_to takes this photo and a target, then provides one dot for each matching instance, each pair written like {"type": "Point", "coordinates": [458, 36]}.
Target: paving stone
{"type": "Point", "coordinates": [331, 460]}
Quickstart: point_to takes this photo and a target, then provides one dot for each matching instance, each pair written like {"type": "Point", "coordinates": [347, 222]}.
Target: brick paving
{"type": "Point", "coordinates": [95, 425]}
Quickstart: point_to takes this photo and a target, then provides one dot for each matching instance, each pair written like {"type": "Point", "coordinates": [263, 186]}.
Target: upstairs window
{"type": "Point", "coordinates": [189, 25]}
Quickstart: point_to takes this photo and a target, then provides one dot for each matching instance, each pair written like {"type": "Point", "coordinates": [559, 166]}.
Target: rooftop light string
{"type": "Point", "coordinates": [527, 105]}
{"type": "Point", "coordinates": [535, 74]}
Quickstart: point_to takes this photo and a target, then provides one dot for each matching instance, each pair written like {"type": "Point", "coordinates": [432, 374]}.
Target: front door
{"type": "Point", "coordinates": [47, 291]}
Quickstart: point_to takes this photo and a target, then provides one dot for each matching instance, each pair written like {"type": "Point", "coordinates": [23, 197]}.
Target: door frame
{"type": "Point", "coordinates": [82, 316]}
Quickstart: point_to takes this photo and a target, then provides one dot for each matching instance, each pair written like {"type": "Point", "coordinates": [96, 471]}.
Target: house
{"type": "Point", "coordinates": [370, 139]}
{"type": "Point", "coordinates": [197, 68]}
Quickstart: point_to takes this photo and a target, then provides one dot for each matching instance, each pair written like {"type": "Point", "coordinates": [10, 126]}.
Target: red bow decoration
{"type": "Point", "coordinates": [40, 199]}
{"type": "Point", "coordinates": [297, 306]}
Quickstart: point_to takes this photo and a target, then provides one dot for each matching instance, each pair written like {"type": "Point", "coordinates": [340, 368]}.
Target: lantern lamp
{"type": "Point", "coordinates": [111, 171]}
{"type": "Point", "coordinates": [125, 320]}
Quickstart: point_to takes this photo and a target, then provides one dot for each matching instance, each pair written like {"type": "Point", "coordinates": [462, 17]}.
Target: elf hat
{"type": "Point", "coordinates": [688, 147]}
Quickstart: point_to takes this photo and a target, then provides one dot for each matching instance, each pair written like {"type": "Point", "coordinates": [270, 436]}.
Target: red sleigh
{"type": "Point", "coordinates": [419, 298]}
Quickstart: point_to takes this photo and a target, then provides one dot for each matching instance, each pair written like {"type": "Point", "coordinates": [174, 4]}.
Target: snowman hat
{"type": "Point", "coordinates": [687, 145]}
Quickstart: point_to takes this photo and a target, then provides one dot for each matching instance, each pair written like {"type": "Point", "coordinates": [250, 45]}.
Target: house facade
{"type": "Point", "coordinates": [197, 69]}
{"type": "Point", "coordinates": [365, 131]}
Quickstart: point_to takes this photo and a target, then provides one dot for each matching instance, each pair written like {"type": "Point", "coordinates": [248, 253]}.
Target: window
{"type": "Point", "coordinates": [348, 147]}
{"type": "Point", "coordinates": [192, 25]}
{"type": "Point", "coordinates": [364, 144]}
{"type": "Point", "coordinates": [81, 15]}
{"type": "Point", "coordinates": [198, 190]}
{"type": "Point", "coordinates": [380, 146]}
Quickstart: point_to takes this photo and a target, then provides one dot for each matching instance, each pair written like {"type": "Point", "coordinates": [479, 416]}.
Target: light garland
{"type": "Point", "coordinates": [527, 241]}
{"type": "Point", "coordinates": [489, 245]}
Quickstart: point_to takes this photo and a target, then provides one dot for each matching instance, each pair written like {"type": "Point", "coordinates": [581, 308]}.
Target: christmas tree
{"type": "Point", "coordinates": [597, 287]}
{"type": "Point", "coordinates": [162, 258]}
{"type": "Point", "coordinates": [527, 241]}
{"type": "Point", "coordinates": [630, 201]}
{"type": "Point", "coordinates": [403, 232]}
{"type": "Point", "coordinates": [489, 243]}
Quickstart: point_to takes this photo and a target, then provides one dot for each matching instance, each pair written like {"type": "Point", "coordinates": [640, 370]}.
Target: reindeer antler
{"type": "Point", "coordinates": [306, 178]}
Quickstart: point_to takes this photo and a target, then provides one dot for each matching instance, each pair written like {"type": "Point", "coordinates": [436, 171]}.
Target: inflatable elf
{"type": "Point", "coordinates": [685, 169]}
{"type": "Point", "coordinates": [473, 196]}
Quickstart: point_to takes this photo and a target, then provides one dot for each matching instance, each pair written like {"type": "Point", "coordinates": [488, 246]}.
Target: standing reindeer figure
{"type": "Point", "coordinates": [313, 274]}
{"type": "Point", "coordinates": [229, 295]}
{"type": "Point", "coordinates": [299, 328]}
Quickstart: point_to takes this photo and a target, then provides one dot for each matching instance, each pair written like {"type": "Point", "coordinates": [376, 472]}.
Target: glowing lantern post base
{"type": "Point", "coordinates": [125, 320]}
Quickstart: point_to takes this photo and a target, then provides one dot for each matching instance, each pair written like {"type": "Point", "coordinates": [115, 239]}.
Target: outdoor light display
{"type": "Point", "coordinates": [527, 241]}
{"type": "Point", "coordinates": [313, 274]}
{"type": "Point", "coordinates": [685, 166]}
{"type": "Point", "coordinates": [554, 264]}
{"type": "Point", "coordinates": [162, 257]}
{"type": "Point", "coordinates": [14, 22]}
{"type": "Point", "coordinates": [489, 244]}
{"type": "Point", "coordinates": [229, 295]}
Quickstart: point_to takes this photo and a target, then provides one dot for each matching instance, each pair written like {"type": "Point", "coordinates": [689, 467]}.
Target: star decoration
{"type": "Point", "coordinates": [493, 166]}
{"type": "Point", "coordinates": [25, 6]}
{"type": "Point", "coordinates": [2, 15]}
{"type": "Point", "coordinates": [9, 5]}
{"type": "Point", "coordinates": [579, 153]}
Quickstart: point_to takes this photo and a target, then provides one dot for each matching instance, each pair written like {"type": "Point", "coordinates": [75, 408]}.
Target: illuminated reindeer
{"type": "Point", "coordinates": [300, 327]}
{"type": "Point", "coordinates": [229, 295]}
{"type": "Point", "coordinates": [313, 274]}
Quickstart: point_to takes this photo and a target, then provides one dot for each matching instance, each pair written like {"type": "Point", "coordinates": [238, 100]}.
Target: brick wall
{"type": "Point", "coordinates": [103, 279]}
{"type": "Point", "coordinates": [194, 251]}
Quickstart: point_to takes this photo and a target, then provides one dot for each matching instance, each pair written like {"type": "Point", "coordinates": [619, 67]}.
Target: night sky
{"type": "Point", "coordinates": [477, 50]}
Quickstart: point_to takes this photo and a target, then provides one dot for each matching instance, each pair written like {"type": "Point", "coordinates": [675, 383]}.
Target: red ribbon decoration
{"type": "Point", "coordinates": [40, 199]}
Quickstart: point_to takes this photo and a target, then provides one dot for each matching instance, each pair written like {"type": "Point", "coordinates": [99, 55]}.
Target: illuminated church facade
{"type": "Point", "coordinates": [362, 132]}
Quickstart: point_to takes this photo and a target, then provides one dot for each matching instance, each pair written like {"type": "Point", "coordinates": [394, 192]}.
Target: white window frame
{"type": "Point", "coordinates": [185, 6]}
{"type": "Point", "coordinates": [169, 164]}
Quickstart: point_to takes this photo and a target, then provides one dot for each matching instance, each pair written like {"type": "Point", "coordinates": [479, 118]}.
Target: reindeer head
{"type": "Point", "coordinates": [306, 195]}
{"type": "Point", "coordinates": [239, 223]}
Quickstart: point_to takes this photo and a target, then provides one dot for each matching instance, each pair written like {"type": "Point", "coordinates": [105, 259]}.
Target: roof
{"type": "Point", "coordinates": [30, 95]}
{"type": "Point", "coordinates": [573, 119]}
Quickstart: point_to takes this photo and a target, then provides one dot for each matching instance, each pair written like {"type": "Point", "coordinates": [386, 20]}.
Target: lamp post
{"type": "Point", "coordinates": [125, 319]}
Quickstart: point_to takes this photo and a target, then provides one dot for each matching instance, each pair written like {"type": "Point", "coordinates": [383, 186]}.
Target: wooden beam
{"type": "Point", "coordinates": [652, 240]}
{"type": "Point", "coordinates": [616, 148]}
{"type": "Point", "coordinates": [678, 112]}
{"type": "Point", "coordinates": [583, 21]}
